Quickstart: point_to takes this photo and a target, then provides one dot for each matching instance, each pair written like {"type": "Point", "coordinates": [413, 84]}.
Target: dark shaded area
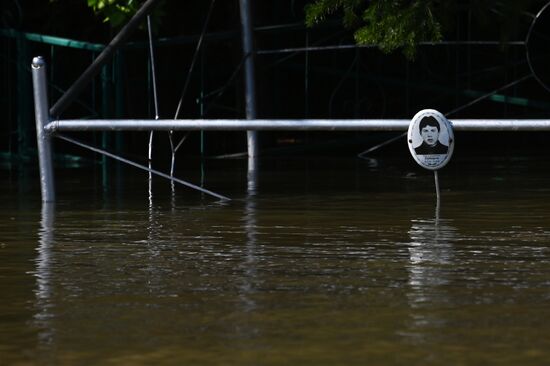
{"type": "Point", "coordinates": [345, 83]}
{"type": "Point", "coordinates": [537, 48]}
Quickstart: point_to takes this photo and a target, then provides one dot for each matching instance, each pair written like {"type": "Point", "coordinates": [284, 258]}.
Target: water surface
{"type": "Point", "coordinates": [327, 261]}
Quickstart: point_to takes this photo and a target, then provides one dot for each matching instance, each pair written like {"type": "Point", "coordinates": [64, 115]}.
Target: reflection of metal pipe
{"type": "Point", "coordinates": [250, 81]}
{"type": "Point", "coordinates": [43, 139]}
{"type": "Point", "coordinates": [289, 125]}
{"type": "Point", "coordinates": [43, 270]}
{"type": "Point", "coordinates": [431, 247]}
{"type": "Point", "coordinates": [430, 251]}
{"type": "Point", "coordinates": [250, 225]}
{"type": "Point", "coordinates": [44, 248]}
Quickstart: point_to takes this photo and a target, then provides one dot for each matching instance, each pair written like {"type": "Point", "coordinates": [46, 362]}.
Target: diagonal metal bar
{"type": "Point", "coordinates": [469, 104]}
{"type": "Point", "coordinates": [103, 58]}
{"type": "Point", "coordinates": [376, 147]}
{"type": "Point", "coordinates": [142, 167]}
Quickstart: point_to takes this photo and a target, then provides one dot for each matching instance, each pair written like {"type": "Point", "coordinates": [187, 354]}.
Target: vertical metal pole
{"type": "Point", "coordinates": [42, 117]}
{"type": "Point", "coordinates": [438, 195]}
{"type": "Point", "coordinates": [250, 81]}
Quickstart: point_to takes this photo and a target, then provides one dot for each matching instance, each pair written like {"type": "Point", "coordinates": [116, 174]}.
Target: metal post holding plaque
{"type": "Point", "coordinates": [431, 142]}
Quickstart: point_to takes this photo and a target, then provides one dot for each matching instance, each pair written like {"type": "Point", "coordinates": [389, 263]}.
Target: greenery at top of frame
{"type": "Point", "coordinates": [118, 12]}
{"type": "Point", "coordinates": [389, 25]}
{"type": "Point", "coordinates": [403, 24]}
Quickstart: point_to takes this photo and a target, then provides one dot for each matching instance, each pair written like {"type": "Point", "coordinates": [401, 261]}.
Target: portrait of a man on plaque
{"type": "Point", "coordinates": [430, 139]}
{"type": "Point", "coordinates": [429, 129]}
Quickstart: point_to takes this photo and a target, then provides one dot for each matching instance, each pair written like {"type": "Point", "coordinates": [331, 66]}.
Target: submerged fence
{"type": "Point", "coordinates": [107, 97]}
{"type": "Point", "coordinates": [48, 128]}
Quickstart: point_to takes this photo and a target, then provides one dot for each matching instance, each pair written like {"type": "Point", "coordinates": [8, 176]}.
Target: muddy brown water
{"type": "Point", "coordinates": [324, 262]}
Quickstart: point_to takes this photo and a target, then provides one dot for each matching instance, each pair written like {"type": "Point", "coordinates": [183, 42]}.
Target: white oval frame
{"type": "Point", "coordinates": [446, 137]}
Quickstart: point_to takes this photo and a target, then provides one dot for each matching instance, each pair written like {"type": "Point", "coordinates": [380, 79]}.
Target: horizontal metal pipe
{"type": "Point", "coordinates": [226, 125]}
{"type": "Point", "coordinates": [500, 124]}
{"type": "Point", "coordinates": [288, 125]}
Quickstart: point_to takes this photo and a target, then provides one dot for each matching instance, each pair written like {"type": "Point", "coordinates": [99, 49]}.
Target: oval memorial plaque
{"type": "Point", "coordinates": [430, 139]}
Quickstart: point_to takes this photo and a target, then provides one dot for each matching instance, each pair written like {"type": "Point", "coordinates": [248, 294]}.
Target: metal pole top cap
{"type": "Point", "coordinates": [38, 62]}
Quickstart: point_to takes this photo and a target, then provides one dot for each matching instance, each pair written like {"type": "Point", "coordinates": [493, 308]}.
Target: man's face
{"type": "Point", "coordinates": [429, 134]}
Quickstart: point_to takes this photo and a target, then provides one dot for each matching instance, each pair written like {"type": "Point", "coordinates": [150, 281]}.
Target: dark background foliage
{"type": "Point", "coordinates": [393, 79]}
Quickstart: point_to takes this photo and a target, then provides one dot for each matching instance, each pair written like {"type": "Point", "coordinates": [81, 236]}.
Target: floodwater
{"type": "Point", "coordinates": [319, 262]}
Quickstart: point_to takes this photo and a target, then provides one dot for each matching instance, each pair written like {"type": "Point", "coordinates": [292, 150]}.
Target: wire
{"type": "Point", "coordinates": [339, 85]}
{"type": "Point", "coordinates": [185, 86]}
{"type": "Point", "coordinates": [363, 154]}
{"type": "Point", "coordinates": [153, 75]}
{"type": "Point", "coordinates": [192, 66]}
{"type": "Point", "coordinates": [353, 46]}
{"type": "Point", "coordinates": [217, 93]}
{"type": "Point", "coordinates": [153, 68]}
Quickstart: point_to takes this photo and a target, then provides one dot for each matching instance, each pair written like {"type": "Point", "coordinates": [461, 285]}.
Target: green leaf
{"type": "Point", "coordinates": [403, 24]}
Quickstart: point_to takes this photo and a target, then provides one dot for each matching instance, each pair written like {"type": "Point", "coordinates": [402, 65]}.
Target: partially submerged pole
{"type": "Point", "coordinates": [249, 77]}
{"type": "Point", "coordinates": [43, 139]}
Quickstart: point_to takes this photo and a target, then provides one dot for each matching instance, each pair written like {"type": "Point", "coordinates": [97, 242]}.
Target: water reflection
{"type": "Point", "coordinates": [249, 265]}
{"type": "Point", "coordinates": [431, 253]}
{"type": "Point", "coordinates": [43, 274]}
{"type": "Point", "coordinates": [297, 275]}
{"type": "Point", "coordinates": [153, 229]}
{"type": "Point", "coordinates": [430, 250]}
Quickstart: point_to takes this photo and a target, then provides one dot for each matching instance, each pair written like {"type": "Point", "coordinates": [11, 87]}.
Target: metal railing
{"type": "Point", "coordinates": [286, 125]}
{"type": "Point", "coordinates": [48, 128]}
